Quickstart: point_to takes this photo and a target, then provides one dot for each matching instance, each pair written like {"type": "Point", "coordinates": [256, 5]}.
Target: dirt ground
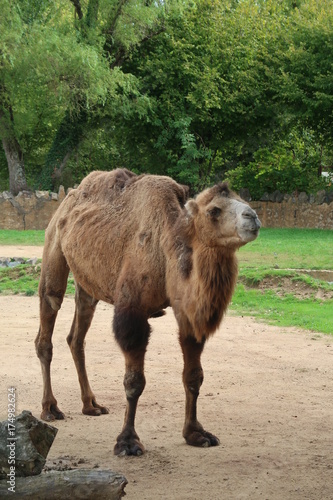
{"type": "Point", "coordinates": [267, 394]}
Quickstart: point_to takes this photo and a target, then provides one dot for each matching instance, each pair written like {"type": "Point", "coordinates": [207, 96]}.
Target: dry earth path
{"type": "Point", "coordinates": [268, 395]}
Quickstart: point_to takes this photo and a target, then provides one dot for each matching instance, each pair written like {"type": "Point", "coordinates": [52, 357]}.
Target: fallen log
{"type": "Point", "coordinates": [81, 484]}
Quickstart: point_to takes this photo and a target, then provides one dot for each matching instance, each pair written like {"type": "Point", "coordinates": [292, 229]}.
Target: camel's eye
{"type": "Point", "coordinates": [214, 212]}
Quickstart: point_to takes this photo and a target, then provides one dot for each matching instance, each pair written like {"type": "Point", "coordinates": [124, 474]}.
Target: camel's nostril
{"type": "Point", "coordinates": [248, 213]}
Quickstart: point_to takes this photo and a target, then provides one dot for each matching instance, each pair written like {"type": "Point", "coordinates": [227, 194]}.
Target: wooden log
{"type": "Point", "coordinates": [77, 483]}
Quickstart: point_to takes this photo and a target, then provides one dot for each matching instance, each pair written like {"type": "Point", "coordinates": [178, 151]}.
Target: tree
{"type": "Point", "coordinates": [112, 29]}
{"type": "Point", "coordinates": [209, 93]}
{"type": "Point", "coordinates": [58, 73]}
{"type": "Point", "coordinates": [11, 32]}
{"type": "Point", "coordinates": [305, 80]}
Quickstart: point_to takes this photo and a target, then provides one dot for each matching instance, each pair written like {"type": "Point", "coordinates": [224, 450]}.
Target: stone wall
{"type": "Point", "coordinates": [34, 211]}
{"type": "Point", "coordinates": [29, 210]}
{"type": "Point", "coordinates": [294, 214]}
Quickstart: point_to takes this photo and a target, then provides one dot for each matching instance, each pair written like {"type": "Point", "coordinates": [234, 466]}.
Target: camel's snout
{"type": "Point", "coordinates": [252, 218]}
{"type": "Point", "coordinates": [250, 224]}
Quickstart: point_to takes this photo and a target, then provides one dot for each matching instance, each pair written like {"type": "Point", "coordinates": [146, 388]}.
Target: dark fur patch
{"type": "Point", "coordinates": [182, 194]}
{"type": "Point", "coordinates": [214, 319]}
{"type": "Point", "coordinates": [131, 328]}
{"type": "Point", "coordinates": [186, 262]}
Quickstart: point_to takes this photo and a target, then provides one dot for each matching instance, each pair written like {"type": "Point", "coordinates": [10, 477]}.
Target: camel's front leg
{"type": "Point", "coordinates": [132, 333]}
{"type": "Point", "coordinates": [193, 432]}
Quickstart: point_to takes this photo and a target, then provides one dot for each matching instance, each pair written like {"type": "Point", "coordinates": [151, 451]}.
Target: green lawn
{"type": "Point", "coordinates": [277, 257]}
{"type": "Point", "coordinates": [12, 237]}
{"type": "Point", "coordinates": [309, 313]}
{"type": "Point", "coordinates": [272, 259]}
{"type": "Point", "coordinates": [289, 249]}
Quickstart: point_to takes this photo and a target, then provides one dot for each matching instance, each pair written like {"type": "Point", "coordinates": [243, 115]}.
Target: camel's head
{"type": "Point", "coordinates": [221, 218]}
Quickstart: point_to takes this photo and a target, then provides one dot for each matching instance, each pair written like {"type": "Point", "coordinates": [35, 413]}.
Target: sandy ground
{"type": "Point", "coordinates": [267, 394]}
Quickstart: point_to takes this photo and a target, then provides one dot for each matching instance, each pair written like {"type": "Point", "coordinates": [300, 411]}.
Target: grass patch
{"type": "Point", "coordinates": [311, 314]}
{"type": "Point", "coordinates": [275, 278]}
{"type": "Point", "coordinates": [272, 285]}
{"type": "Point", "coordinates": [29, 238]}
{"type": "Point", "coordinates": [24, 280]}
{"type": "Point", "coordinates": [289, 249]}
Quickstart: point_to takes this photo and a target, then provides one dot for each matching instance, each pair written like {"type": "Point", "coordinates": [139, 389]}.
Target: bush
{"type": "Point", "coordinates": [284, 168]}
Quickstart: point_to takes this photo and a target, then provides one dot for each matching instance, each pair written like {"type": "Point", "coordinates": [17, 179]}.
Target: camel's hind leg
{"type": "Point", "coordinates": [85, 307]}
{"type": "Point", "coordinates": [52, 287]}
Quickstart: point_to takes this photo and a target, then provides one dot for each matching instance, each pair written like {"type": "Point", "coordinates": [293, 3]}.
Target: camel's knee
{"type": "Point", "coordinates": [134, 383]}
{"type": "Point", "coordinates": [193, 380]}
{"type": "Point", "coordinates": [131, 329]}
{"type": "Point", "coordinates": [44, 349]}
{"type": "Point", "coordinates": [55, 300]}
{"type": "Point", "coordinates": [75, 344]}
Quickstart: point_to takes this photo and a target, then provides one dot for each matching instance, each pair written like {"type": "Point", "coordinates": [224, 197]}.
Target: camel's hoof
{"type": "Point", "coordinates": [202, 439]}
{"type": "Point", "coordinates": [95, 410]}
{"type": "Point", "coordinates": [49, 415]}
{"type": "Point", "coordinates": [133, 447]}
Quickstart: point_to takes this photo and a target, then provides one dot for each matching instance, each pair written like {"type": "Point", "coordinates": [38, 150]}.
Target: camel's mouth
{"type": "Point", "coordinates": [250, 228]}
{"type": "Point", "coordinates": [248, 235]}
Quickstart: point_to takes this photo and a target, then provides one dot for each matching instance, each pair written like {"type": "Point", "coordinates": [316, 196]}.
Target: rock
{"type": "Point", "coordinates": [43, 195]}
{"type": "Point", "coordinates": [13, 263]}
{"type": "Point", "coordinates": [279, 197]}
{"type": "Point", "coordinates": [330, 197]}
{"type": "Point", "coordinates": [265, 197]}
{"type": "Point", "coordinates": [54, 196]}
{"type": "Point", "coordinates": [28, 442]}
{"type": "Point", "coordinates": [7, 195]}
{"type": "Point", "coordinates": [276, 196]}
{"type": "Point", "coordinates": [61, 193]}
{"type": "Point", "coordinates": [312, 199]}
{"type": "Point", "coordinates": [32, 262]}
{"type": "Point", "coordinates": [321, 197]}
{"type": "Point", "coordinates": [303, 198]}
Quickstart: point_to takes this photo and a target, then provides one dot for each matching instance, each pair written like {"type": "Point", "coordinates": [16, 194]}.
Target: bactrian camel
{"type": "Point", "coordinates": [136, 242]}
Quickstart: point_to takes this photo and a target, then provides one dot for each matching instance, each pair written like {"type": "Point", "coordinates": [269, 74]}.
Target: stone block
{"type": "Point", "coordinates": [28, 448]}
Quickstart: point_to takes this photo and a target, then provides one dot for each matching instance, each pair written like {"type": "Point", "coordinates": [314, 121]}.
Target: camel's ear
{"type": "Point", "coordinates": [192, 208]}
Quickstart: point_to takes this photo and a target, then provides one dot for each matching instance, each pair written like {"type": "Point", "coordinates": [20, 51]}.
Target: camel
{"type": "Point", "coordinates": [139, 243]}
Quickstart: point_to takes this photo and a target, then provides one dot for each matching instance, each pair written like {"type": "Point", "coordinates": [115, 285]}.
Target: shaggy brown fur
{"type": "Point", "coordinates": [133, 242]}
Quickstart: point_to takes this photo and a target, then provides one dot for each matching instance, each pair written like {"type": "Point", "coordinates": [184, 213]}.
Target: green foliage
{"type": "Point", "coordinates": [203, 77]}
{"type": "Point", "coordinates": [192, 89]}
{"type": "Point", "coordinates": [289, 166]}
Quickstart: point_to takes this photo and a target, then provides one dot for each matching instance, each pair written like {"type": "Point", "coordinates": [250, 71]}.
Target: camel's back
{"type": "Point", "coordinates": [116, 220]}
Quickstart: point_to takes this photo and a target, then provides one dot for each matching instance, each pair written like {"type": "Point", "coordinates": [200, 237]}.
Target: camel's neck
{"type": "Point", "coordinates": [207, 290]}
{"type": "Point", "coordinates": [217, 271]}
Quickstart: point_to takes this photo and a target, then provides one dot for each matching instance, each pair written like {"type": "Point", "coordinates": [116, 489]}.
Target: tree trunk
{"type": "Point", "coordinates": [14, 155]}
{"type": "Point", "coordinates": [66, 485]}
